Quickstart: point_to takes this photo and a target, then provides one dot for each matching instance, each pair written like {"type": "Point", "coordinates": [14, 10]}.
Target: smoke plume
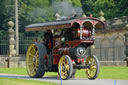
{"type": "Point", "coordinates": [66, 8]}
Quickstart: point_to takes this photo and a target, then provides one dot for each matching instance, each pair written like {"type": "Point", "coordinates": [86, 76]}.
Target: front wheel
{"type": "Point", "coordinates": [94, 67]}
{"type": "Point", "coordinates": [65, 67]}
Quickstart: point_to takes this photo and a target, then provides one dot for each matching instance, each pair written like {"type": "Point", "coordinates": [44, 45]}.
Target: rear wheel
{"type": "Point", "coordinates": [35, 63]}
{"type": "Point", "coordinates": [93, 70]}
{"type": "Point", "coordinates": [65, 67]}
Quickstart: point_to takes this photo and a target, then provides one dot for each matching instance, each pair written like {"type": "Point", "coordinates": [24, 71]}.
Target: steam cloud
{"type": "Point", "coordinates": [64, 8]}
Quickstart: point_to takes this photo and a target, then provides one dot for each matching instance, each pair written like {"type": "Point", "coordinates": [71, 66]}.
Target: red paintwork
{"type": "Point", "coordinates": [90, 19]}
{"type": "Point", "coordinates": [85, 32]}
{"type": "Point", "coordinates": [80, 60]}
{"type": "Point", "coordinates": [59, 51]}
{"type": "Point", "coordinates": [56, 58]}
{"type": "Point", "coordinates": [78, 42]}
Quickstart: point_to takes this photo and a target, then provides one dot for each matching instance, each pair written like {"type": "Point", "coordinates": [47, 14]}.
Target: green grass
{"type": "Point", "coordinates": [114, 73]}
{"type": "Point", "coordinates": [120, 73]}
{"type": "Point", "coordinates": [19, 71]}
{"type": "Point", "coordinates": [9, 81]}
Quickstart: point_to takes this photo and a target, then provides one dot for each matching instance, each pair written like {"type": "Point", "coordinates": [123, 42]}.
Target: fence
{"type": "Point", "coordinates": [106, 49]}
{"type": "Point", "coordinates": [4, 45]}
{"type": "Point", "coordinates": [23, 44]}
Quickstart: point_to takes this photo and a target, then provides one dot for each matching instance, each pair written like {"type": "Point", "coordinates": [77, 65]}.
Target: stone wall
{"type": "Point", "coordinates": [110, 46]}
{"type": "Point", "coordinates": [14, 61]}
{"type": "Point", "coordinates": [113, 63]}
{"type": "Point", "coordinates": [3, 62]}
{"type": "Point", "coordinates": [110, 41]}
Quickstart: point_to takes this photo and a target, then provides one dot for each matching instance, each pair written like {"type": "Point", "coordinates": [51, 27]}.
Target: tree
{"type": "Point", "coordinates": [94, 6]}
{"type": "Point", "coordinates": [88, 6]}
{"type": "Point", "coordinates": [6, 14]}
{"type": "Point", "coordinates": [122, 7]}
{"type": "Point", "coordinates": [34, 11]}
{"type": "Point", "coordinates": [107, 6]}
{"type": "Point", "coordinates": [76, 3]}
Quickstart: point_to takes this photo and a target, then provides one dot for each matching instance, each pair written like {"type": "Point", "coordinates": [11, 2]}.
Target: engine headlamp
{"type": "Point", "coordinates": [80, 51]}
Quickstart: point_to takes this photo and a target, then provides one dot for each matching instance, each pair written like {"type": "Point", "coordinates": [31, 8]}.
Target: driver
{"type": "Point", "coordinates": [48, 41]}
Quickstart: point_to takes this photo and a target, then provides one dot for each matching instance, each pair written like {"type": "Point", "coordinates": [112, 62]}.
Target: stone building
{"type": "Point", "coordinates": [111, 42]}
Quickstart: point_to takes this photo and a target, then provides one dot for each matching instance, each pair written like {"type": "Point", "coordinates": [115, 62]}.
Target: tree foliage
{"type": "Point", "coordinates": [6, 13]}
{"type": "Point", "coordinates": [111, 8]}
{"type": "Point", "coordinates": [36, 11]}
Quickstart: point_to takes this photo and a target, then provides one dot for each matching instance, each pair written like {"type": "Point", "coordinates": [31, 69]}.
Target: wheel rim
{"type": "Point", "coordinates": [91, 72]}
{"type": "Point", "coordinates": [64, 67]}
{"type": "Point", "coordinates": [32, 60]}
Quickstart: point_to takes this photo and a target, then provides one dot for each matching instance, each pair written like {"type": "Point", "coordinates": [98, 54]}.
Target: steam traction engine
{"type": "Point", "coordinates": [64, 50]}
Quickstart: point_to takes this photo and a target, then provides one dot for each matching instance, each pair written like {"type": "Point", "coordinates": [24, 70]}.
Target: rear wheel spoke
{"type": "Point", "coordinates": [33, 71]}
{"type": "Point", "coordinates": [31, 64]}
{"type": "Point", "coordinates": [34, 49]}
{"type": "Point", "coordinates": [31, 54]}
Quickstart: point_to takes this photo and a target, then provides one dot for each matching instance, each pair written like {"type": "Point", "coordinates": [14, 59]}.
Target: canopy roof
{"type": "Point", "coordinates": [64, 24]}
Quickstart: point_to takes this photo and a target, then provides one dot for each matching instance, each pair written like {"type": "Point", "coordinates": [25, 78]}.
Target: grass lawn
{"type": "Point", "coordinates": [19, 71]}
{"type": "Point", "coordinates": [120, 73]}
{"type": "Point", "coordinates": [9, 81]}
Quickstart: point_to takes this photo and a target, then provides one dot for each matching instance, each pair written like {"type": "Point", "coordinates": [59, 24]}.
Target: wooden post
{"type": "Point", "coordinates": [17, 27]}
